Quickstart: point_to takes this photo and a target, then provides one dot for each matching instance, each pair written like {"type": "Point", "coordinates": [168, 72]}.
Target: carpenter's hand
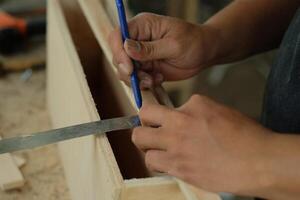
{"type": "Point", "coordinates": [204, 143]}
{"type": "Point", "coordinates": [168, 49]}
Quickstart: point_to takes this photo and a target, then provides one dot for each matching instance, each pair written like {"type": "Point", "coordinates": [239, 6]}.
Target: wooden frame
{"type": "Point", "coordinates": [10, 175]}
{"type": "Point", "coordinates": [82, 82]}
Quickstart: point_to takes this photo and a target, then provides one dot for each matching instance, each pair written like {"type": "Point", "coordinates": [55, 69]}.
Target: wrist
{"type": "Point", "coordinates": [212, 45]}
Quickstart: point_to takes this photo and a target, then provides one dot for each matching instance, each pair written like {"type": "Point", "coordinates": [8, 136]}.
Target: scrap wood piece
{"type": "Point", "coordinates": [10, 175]}
{"type": "Point", "coordinates": [19, 161]}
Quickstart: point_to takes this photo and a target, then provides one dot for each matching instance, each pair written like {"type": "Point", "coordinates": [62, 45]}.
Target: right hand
{"type": "Point", "coordinates": [168, 49]}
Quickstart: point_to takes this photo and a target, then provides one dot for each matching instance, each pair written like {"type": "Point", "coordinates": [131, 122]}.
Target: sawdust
{"type": "Point", "coordinates": [22, 111]}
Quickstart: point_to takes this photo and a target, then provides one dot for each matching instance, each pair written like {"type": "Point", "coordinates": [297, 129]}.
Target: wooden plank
{"type": "Point", "coordinates": [10, 175]}
{"type": "Point", "coordinates": [152, 188]}
{"type": "Point", "coordinates": [101, 26]}
{"type": "Point", "coordinates": [19, 161]}
{"type": "Point", "coordinates": [91, 169]}
{"type": "Point", "coordinates": [95, 166]}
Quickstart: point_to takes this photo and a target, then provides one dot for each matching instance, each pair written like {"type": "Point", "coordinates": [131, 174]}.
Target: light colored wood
{"type": "Point", "coordinates": [91, 169]}
{"type": "Point", "coordinates": [96, 167]}
{"type": "Point", "coordinates": [10, 175]}
{"type": "Point", "coordinates": [19, 161]}
{"type": "Point", "coordinates": [101, 26]}
{"type": "Point", "coordinates": [164, 188]}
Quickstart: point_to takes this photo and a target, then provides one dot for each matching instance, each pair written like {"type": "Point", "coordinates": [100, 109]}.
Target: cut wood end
{"type": "Point", "coordinates": [19, 161]}
{"type": "Point", "coordinates": [13, 185]}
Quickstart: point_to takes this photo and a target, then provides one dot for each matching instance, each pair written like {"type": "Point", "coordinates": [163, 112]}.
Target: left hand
{"type": "Point", "coordinates": [205, 144]}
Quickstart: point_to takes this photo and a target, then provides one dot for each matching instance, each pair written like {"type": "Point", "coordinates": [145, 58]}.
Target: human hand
{"type": "Point", "coordinates": [167, 48]}
{"type": "Point", "coordinates": [205, 144]}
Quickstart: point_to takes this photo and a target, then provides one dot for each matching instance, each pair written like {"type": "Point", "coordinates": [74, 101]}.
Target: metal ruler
{"type": "Point", "coordinates": [62, 134]}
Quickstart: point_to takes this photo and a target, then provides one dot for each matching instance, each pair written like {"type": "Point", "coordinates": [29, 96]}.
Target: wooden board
{"type": "Point", "coordinates": [91, 169]}
{"type": "Point", "coordinates": [184, 9]}
{"type": "Point", "coordinates": [82, 84]}
{"type": "Point", "coordinates": [10, 175]}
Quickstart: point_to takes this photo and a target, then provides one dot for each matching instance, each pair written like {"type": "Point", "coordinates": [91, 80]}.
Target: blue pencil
{"type": "Point", "coordinates": [125, 35]}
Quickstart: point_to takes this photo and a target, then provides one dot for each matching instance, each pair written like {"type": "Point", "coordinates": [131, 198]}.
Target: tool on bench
{"type": "Point", "coordinates": [14, 31]}
{"type": "Point", "coordinates": [125, 35]}
{"type": "Point", "coordinates": [58, 135]}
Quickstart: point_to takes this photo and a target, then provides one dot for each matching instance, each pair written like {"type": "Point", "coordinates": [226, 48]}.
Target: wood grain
{"type": "Point", "coordinates": [82, 87]}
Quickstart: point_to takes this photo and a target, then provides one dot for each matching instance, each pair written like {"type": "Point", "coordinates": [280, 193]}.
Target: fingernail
{"type": "Point", "coordinates": [133, 45]}
{"type": "Point", "coordinates": [125, 69]}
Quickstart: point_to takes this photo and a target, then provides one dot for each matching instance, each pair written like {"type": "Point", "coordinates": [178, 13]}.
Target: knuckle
{"type": "Point", "coordinates": [144, 16]}
{"type": "Point", "coordinates": [198, 99]}
{"type": "Point", "coordinates": [148, 49]}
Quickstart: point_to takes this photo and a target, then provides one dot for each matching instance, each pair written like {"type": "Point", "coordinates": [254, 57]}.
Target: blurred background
{"type": "Point", "coordinates": [22, 83]}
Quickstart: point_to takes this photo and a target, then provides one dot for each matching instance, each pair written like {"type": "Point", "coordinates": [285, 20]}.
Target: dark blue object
{"type": "Point", "coordinates": [281, 111]}
{"type": "Point", "coordinates": [125, 35]}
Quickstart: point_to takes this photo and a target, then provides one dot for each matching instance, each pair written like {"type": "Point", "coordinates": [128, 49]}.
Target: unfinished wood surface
{"type": "Point", "coordinates": [10, 175]}
{"type": "Point", "coordinates": [91, 169]}
{"type": "Point", "coordinates": [82, 83]}
{"type": "Point", "coordinates": [163, 188]}
{"type": "Point", "coordinates": [19, 161]}
{"type": "Point", "coordinates": [101, 26]}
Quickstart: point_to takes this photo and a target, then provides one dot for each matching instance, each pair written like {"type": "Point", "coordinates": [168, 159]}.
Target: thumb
{"type": "Point", "coordinates": [146, 51]}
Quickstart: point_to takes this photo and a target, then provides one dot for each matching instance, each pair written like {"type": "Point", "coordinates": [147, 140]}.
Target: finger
{"type": "Point", "coordinates": [153, 50]}
{"type": "Point", "coordinates": [154, 114]}
{"type": "Point", "coordinates": [147, 66]}
{"type": "Point", "coordinates": [124, 75]}
{"type": "Point", "coordinates": [119, 54]}
{"type": "Point", "coordinates": [158, 79]}
{"type": "Point", "coordinates": [146, 26]}
{"type": "Point", "coordinates": [146, 80]}
{"type": "Point", "coordinates": [121, 76]}
{"type": "Point", "coordinates": [146, 138]}
{"type": "Point", "coordinates": [125, 79]}
{"type": "Point", "coordinates": [158, 161]}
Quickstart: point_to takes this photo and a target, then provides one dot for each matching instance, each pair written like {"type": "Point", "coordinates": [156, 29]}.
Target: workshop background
{"type": "Point", "coordinates": [23, 83]}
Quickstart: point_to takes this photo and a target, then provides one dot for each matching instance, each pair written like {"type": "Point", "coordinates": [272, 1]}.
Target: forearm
{"type": "Point", "coordinates": [279, 164]}
{"type": "Point", "coordinates": [247, 27]}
